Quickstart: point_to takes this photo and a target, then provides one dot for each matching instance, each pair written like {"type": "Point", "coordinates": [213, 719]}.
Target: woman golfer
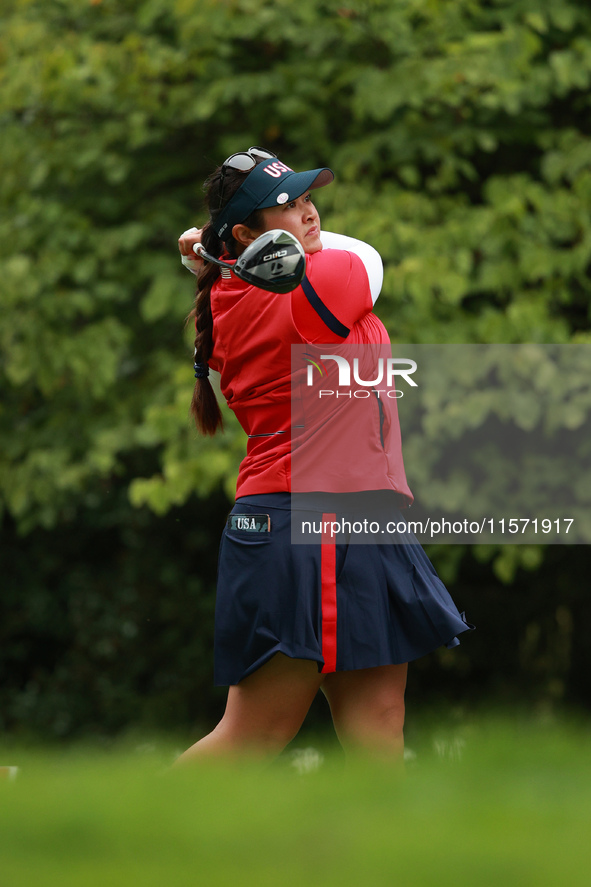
{"type": "Point", "coordinates": [295, 618]}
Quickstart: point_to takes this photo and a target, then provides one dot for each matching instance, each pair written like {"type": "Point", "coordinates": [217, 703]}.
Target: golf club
{"type": "Point", "coordinates": [275, 261]}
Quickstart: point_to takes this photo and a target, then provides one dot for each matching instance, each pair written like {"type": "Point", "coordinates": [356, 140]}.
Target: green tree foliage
{"type": "Point", "coordinates": [109, 623]}
{"type": "Point", "coordinates": [459, 134]}
{"type": "Point", "coordinates": [460, 137]}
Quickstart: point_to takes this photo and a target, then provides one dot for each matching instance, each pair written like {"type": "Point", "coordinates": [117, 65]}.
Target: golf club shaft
{"type": "Point", "coordinates": [201, 254]}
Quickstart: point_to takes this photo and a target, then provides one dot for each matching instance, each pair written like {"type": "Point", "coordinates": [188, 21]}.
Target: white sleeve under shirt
{"type": "Point", "coordinates": [368, 255]}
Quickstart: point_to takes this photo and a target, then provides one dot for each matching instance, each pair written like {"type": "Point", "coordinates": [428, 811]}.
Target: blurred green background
{"type": "Point", "coordinates": [514, 810]}
{"type": "Point", "coordinates": [460, 135]}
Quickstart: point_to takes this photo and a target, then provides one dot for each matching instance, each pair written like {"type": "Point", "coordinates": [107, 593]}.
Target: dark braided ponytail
{"type": "Point", "coordinates": [219, 190]}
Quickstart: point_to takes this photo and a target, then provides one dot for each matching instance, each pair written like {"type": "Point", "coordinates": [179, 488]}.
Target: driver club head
{"type": "Point", "coordinates": [275, 261]}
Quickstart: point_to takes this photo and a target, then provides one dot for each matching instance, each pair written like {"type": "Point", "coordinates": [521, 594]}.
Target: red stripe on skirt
{"type": "Point", "coordinates": [328, 580]}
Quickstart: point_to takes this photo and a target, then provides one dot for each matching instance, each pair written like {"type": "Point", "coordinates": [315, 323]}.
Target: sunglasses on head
{"type": "Point", "coordinates": [243, 161]}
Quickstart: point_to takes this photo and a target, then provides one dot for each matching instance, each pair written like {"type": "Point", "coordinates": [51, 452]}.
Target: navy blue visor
{"type": "Point", "coordinates": [271, 183]}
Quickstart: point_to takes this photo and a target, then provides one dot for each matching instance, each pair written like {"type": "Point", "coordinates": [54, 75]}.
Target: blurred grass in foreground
{"type": "Point", "coordinates": [501, 803]}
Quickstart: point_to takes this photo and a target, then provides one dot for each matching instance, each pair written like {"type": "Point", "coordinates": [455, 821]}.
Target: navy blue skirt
{"type": "Point", "coordinates": [344, 606]}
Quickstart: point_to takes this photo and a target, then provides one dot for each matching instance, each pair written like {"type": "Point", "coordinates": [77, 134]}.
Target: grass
{"type": "Point", "coordinates": [499, 803]}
